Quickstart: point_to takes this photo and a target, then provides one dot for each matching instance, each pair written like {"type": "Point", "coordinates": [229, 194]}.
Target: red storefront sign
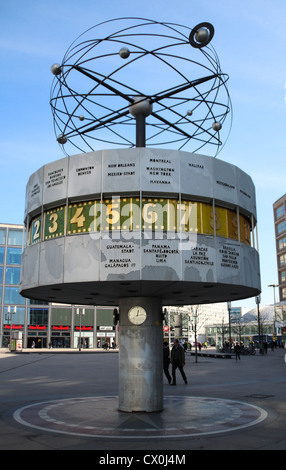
{"type": "Point", "coordinates": [60, 328]}
{"type": "Point", "coordinates": [83, 328]}
{"type": "Point", "coordinates": [37, 327]}
{"type": "Point", "coordinates": [14, 327]}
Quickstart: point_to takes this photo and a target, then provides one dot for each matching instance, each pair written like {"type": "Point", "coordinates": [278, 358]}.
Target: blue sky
{"type": "Point", "coordinates": [250, 42]}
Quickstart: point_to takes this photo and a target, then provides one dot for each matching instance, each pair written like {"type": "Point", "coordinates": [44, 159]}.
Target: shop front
{"type": "Point", "coordinates": [60, 336]}
{"type": "Point", "coordinates": [8, 332]}
{"type": "Point", "coordinates": [83, 337]}
{"type": "Point", "coordinates": [106, 337]}
{"type": "Point", "coordinates": [61, 326]}
{"type": "Point", "coordinates": [37, 336]}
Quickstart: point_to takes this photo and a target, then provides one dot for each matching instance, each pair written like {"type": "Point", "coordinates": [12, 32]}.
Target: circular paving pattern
{"type": "Point", "coordinates": [99, 417]}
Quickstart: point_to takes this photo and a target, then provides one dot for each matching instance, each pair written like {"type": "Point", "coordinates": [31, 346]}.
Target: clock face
{"type": "Point", "coordinates": [137, 315]}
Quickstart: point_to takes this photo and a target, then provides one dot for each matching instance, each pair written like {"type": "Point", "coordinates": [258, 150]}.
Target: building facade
{"type": "Point", "coordinates": [45, 324]}
{"type": "Point", "coordinates": [279, 212]}
{"type": "Point", "coordinates": [245, 333]}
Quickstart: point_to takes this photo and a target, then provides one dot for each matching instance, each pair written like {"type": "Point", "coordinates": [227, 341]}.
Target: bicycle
{"type": "Point", "coordinates": [249, 351]}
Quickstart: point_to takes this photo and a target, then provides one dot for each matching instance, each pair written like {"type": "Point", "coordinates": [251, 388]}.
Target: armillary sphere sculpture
{"type": "Point", "coordinates": [144, 69]}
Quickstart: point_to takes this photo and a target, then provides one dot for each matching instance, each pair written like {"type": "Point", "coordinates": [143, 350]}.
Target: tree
{"type": "Point", "coordinates": [197, 320]}
{"type": "Point", "coordinates": [238, 327]}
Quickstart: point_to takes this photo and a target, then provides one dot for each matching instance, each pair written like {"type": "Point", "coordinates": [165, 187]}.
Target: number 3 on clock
{"type": "Point", "coordinates": [54, 223]}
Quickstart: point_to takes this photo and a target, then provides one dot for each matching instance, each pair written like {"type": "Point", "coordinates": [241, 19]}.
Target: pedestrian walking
{"type": "Point", "coordinates": [178, 360]}
{"type": "Point", "coordinates": [166, 361]}
{"type": "Point", "coordinates": [237, 351]}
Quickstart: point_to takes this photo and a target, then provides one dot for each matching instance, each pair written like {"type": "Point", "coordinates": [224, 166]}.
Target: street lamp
{"type": "Point", "coordinates": [274, 285]}
{"type": "Point", "coordinates": [229, 324]}
{"type": "Point", "coordinates": [194, 321]}
{"type": "Point", "coordinates": [10, 311]}
{"type": "Point", "coordinates": [258, 300]}
{"type": "Point", "coordinates": [80, 313]}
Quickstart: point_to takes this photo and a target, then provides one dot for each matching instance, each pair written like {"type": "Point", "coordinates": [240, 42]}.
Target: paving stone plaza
{"type": "Point", "coordinates": [57, 400]}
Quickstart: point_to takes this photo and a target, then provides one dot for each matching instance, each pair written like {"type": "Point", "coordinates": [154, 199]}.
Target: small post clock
{"type": "Point", "coordinates": [137, 315]}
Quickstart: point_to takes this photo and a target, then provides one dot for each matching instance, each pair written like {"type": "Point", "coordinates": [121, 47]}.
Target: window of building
{"type": "Point", "coordinates": [37, 302]}
{"type": "Point", "coordinates": [1, 274]}
{"type": "Point", "coordinates": [14, 256]}
{"type": "Point", "coordinates": [280, 211]}
{"type": "Point", "coordinates": [18, 318]}
{"type": "Point", "coordinates": [13, 275]}
{"type": "Point", "coordinates": [283, 277]}
{"type": "Point", "coordinates": [2, 236]}
{"type": "Point", "coordinates": [1, 254]}
{"type": "Point", "coordinates": [282, 260]}
{"type": "Point", "coordinates": [12, 296]}
{"type": "Point", "coordinates": [281, 227]}
{"type": "Point", "coordinates": [38, 316]}
{"type": "Point", "coordinates": [283, 292]}
{"type": "Point", "coordinates": [283, 316]}
{"type": "Point", "coordinates": [282, 243]}
{"type": "Point", "coordinates": [104, 316]}
{"type": "Point", "coordinates": [86, 319]}
{"type": "Point", "coordinates": [15, 237]}
{"type": "Point", "coordinates": [61, 316]}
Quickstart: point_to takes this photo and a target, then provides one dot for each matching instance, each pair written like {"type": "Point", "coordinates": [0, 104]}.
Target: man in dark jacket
{"type": "Point", "coordinates": [166, 361]}
{"type": "Point", "coordinates": [178, 360]}
{"type": "Point", "coordinates": [237, 350]}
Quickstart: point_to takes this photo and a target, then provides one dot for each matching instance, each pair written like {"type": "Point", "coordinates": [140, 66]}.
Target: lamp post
{"type": "Point", "coordinates": [169, 325]}
{"type": "Point", "coordinates": [194, 320]}
{"type": "Point", "coordinates": [229, 324]}
{"type": "Point", "coordinates": [80, 313]}
{"type": "Point", "coordinates": [258, 300]}
{"type": "Point", "coordinates": [167, 322]}
{"type": "Point", "coordinates": [274, 285]}
{"type": "Point", "coordinates": [11, 329]}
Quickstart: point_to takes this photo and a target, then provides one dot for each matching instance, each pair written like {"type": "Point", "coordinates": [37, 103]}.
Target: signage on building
{"type": "Point", "coordinates": [60, 328]}
{"type": "Point", "coordinates": [14, 327]}
{"type": "Point", "coordinates": [83, 328]}
{"type": "Point", "coordinates": [37, 327]}
{"type": "Point", "coordinates": [108, 334]}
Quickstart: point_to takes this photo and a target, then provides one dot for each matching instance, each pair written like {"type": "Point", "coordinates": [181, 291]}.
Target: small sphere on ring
{"type": "Point", "coordinates": [124, 52]}
{"type": "Point", "coordinates": [189, 112]}
{"type": "Point", "coordinates": [81, 117]}
{"type": "Point", "coordinates": [202, 35]}
{"type": "Point", "coordinates": [62, 139]}
{"type": "Point", "coordinates": [216, 126]}
{"type": "Point", "coordinates": [56, 69]}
